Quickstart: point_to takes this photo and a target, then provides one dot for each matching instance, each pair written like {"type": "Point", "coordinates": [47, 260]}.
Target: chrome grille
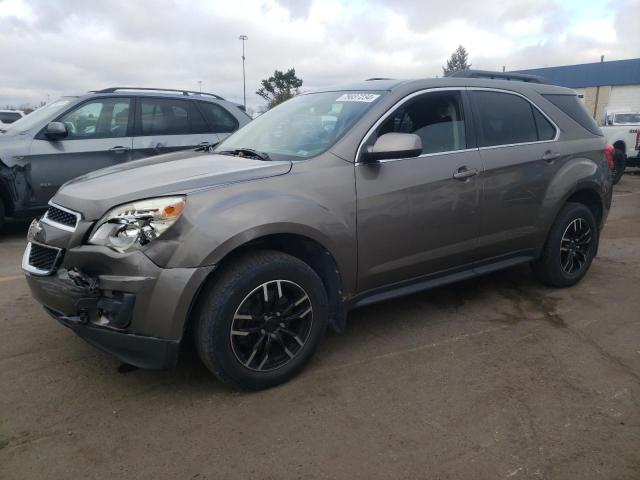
{"type": "Point", "coordinates": [61, 217]}
{"type": "Point", "coordinates": [41, 259]}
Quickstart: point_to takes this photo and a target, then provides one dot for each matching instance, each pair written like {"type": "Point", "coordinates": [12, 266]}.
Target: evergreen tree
{"type": "Point", "coordinates": [459, 61]}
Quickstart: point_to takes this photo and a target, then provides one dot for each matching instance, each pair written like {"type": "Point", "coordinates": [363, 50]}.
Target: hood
{"type": "Point", "coordinates": [175, 173]}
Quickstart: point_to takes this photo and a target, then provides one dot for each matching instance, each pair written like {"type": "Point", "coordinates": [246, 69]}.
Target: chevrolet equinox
{"type": "Point", "coordinates": [333, 200]}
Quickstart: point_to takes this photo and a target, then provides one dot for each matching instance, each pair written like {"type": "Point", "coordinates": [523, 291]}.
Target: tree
{"type": "Point", "coordinates": [458, 61]}
{"type": "Point", "coordinates": [280, 87]}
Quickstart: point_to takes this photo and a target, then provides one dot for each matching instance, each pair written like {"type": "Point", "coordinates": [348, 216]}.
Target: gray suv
{"type": "Point", "coordinates": [330, 201]}
{"type": "Point", "coordinates": [75, 135]}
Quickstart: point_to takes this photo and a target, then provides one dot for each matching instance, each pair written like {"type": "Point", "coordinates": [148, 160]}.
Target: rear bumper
{"type": "Point", "coordinates": [137, 350]}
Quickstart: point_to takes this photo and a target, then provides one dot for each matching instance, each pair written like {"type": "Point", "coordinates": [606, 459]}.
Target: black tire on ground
{"type": "Point", "coordinates": [574, 234]}
{"type": "Point", "coordinates": [237, 301]}
{"type": "Point", "coordinates": [619, 164]}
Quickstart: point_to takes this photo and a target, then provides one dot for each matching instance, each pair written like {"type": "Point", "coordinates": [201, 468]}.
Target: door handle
{"type": "Point", "coordinates": [119, 149]}
{"type": "Point", "coordinates": [550, 156]}
{"type": "Point", "coordinates": [463, 173]}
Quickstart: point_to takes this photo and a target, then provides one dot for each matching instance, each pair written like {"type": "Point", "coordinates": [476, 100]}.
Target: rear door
{"type": "Point", "coordinates": [165, 125]}
{"type": "Point", "coordinates": [520, 154]}
{"type": "Point", "coordinates": [99, 135]}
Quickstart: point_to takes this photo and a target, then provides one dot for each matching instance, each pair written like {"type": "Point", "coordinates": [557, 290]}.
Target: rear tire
{"type": "Point", "coordinates": [570, 247]}
{"type": "Point", "coordinates": [260, 320]}
{"type": "Point", "coordinates": [619, 164]}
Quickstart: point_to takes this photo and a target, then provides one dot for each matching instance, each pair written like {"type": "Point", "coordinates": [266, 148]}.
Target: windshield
{"type": "Point", "coordinates": [302, 127]}
{"type": "Point", "coordinates": [630, 118]}
{"type": "Point", "coordinates": [38, 116]}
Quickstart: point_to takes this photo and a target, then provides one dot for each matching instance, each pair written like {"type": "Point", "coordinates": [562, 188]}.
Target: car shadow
{"type": "Point", "coordinates": [415, 312]}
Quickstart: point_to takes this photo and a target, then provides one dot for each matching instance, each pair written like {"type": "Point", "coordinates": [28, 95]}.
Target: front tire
{"type": "Point", "coordinates": [260, 321]}
{"type": "Point", "coordinates": [570, 247]}
{"type": "Point", "coordinates": [619, 164]}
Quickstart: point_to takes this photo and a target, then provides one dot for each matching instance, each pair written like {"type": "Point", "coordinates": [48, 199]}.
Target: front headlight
{"type": "Point", "coordinates": [131, 226]}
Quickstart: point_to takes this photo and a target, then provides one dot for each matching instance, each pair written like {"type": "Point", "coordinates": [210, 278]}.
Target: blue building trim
{"type": "Point", "coordinates": [617, 72]}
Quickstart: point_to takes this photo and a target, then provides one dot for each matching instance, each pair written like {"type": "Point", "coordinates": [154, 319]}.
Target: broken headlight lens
{"type": "Point", "coordinates": [132, 226]}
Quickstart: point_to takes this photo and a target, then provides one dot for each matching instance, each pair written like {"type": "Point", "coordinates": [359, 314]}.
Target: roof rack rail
{"type": "Point", "coordinates": [377, 78]}
{"type": "Point", "coordinates": [516, 77]}
{"type": "Point", "coordinates": [147, 89]}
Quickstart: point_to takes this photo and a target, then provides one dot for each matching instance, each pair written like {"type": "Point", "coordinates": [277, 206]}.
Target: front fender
{"type": "Point", "coordinates": [218, 221]}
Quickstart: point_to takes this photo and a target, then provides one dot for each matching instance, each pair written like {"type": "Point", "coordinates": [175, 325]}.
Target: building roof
{"type": "Point", "coordinates": [617, 72]}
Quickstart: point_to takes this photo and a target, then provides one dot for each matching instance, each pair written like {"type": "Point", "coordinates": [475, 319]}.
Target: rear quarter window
{"type": "Point", "coordinates": [573, 106]}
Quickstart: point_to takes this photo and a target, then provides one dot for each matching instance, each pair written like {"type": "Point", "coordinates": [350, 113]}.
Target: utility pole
{"type": "Point", "coordinates": [595, 107]}
{"type": "Point", "coordinates": [244, 81]}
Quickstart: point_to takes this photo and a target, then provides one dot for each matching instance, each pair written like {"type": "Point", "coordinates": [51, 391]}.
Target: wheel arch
{"type": "Point", "coordinates": [620, 145]}
{"type": "Point", "coordinates": [590, 198]}
{"type": "Point", "coordinates": [302, 247]}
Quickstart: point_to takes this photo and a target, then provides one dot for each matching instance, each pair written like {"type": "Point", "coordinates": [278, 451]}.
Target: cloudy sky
{"type": "Point", "coordinates": [55, 47]}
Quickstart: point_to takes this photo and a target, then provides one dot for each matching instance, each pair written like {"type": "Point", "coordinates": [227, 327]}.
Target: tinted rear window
{"type": "Point", "coordinates": [168, 116]}
{"type": "Point", "coordinates": [546, 131]}
{"type": "Point", "coordinates": [9, 117]}
{"type": "Point", "coordinates": [505, 119]}
{"type": "Point", "coordinates": [573, 106]}
{"type": "Point", "coordinates": [218, 118]}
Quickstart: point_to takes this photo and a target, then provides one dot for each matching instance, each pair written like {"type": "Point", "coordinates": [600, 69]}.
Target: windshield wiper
{"type": "Point", "coordinates": [246, 152]}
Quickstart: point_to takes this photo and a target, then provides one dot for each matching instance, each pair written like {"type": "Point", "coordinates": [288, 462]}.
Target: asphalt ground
{"type": "Point", "coordinates": [497, 377]}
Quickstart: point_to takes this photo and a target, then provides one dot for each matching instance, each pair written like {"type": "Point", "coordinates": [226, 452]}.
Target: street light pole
{"type": "Point", "coordinates": [244, 81]}
{"type": "Point", "coordinates": [200, 85]}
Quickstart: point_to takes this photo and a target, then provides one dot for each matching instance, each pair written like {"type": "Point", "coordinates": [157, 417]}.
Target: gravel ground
{"type": "Point", "coordinates": [492, 378]}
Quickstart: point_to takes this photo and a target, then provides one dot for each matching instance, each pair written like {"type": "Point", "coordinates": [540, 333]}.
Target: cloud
{"type": "Point", "coordinates": [71, 46]}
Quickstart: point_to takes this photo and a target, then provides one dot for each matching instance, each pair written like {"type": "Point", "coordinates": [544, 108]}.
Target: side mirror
{"type": "Point", "coordinates": [393, 145]}
{"type": "Point", "coordinates": [56, 130]}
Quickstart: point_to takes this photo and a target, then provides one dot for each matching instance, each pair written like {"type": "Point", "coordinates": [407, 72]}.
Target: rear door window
{"type": "Point", "coordinates": [573, 106]}
{"type": "Point", "coordinates": [504, 119]}
{"type": "Point", "coordinates": [9, 117]}
{"type": "Point", "coordinates": [218, 119]}
{"type": "Point", "coordinates": [167, 116]}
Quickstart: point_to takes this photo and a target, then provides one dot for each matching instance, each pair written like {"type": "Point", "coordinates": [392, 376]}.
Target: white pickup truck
{"type": "Point", "coordinates": [622, 130]}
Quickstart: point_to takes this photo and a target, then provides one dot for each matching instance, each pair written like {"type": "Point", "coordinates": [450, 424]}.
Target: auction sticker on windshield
{"type": "Point", "coordinates": [357, 97]}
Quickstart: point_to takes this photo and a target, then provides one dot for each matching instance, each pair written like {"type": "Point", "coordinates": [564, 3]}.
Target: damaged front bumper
{"type": "Point", "coordinates": [122, 303]}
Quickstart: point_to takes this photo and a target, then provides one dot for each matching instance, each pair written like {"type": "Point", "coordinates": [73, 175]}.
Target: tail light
{"type": "Point", "coordinates": [638, 139]}
{"type": "Point", "coordinates": [608, 153]}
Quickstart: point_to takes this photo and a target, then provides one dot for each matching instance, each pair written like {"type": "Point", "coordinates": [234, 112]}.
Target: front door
{"type": "Point", "coordinates": [98, 135]}
{"type": "Point", "coordinates": [418, 216]}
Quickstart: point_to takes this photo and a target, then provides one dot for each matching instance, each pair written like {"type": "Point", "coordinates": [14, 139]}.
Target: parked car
{"type": "Point", "coordinates": [10, 116]}
{"type": "Point", "coordinates": [294, 220]}
{"type": "Point", "coordinates": [76, 135]}
{"type": "Point", "coordinates": [622, 130]}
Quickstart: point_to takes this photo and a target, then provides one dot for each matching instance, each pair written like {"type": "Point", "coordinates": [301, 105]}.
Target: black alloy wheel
{"type": "Point", "coordinates": [271, 325]}
{"type": "Point", "coordinates": [575, 246]}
